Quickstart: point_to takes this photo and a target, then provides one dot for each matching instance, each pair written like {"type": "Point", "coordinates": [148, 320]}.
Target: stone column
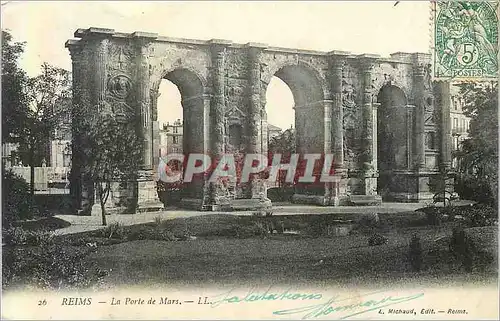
{"type": "Point", "coordinates": [330, 188]}
{"type": "Point", "coordinates": [155, 127]}
{"type": "Point", "coordinates": [375, 107]}
{"type": "Point", "coordinates": [98, 98]}
{"type": "Point", "coordinates": [76, 119]}
{"type": "Point", "coordinates": [409, 135]}
{"type": "Point", "coordinates": [366, 71]}
{"type": "Point", "coordinates": [100, 74]}
{"type": "Point", "coordinates": [217, 114]}
{"type": "Point", "coordinates": [418, 94]}
{"type": "Point", "coordinates": [369, 135]}
{"type": "Point", "coordinates": [337, 116]}
{"type": "Point", "coordinates": [147, 196]}
{"type": "Point", "coordinates": [255, 112]}
{"type": "Point", "coordinates": [143, 97]}
{"type": "Point", "coordinates": [336, 64]}
{"type": "Point", "coordinates": [444, 92]}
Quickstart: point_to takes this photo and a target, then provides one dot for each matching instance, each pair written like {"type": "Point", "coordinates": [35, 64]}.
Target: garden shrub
{"type": "Point", "coordinates": [377, 239]}
{"type": "Point", "coordinates": [257, 228]}
{"type": "Point", "coordinates": [480, 215]}
{"type": "Point", "coordinates": [49, 266]}
{"type": "Point", "coordinates": [114, 230]}
{"type": "Point", "coordinates": [19, 236]}
{"type": "Point", "coordinates": [463, 248]}
{"type": "Point", "coordinates": [415, 253]}
{"type": "Point", "coordinates": [17, 203]}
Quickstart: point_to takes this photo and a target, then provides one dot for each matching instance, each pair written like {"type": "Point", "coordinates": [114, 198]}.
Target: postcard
{"type": "Point", "coordinates": [250, 160]}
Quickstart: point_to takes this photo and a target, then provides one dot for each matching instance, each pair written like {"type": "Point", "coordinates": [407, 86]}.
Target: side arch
{"type": "Point", "coordinates": [395, 82]}
{"type": "Point", "coordinates": [394, 138]}
{"type": "Point", "coordinates": [288, 69]}
{"type": "Point", "coordinates": [308, 91]}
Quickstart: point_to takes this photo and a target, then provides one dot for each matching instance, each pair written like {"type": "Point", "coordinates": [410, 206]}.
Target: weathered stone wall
{"type": "Point", "coordinates": [223, 87]}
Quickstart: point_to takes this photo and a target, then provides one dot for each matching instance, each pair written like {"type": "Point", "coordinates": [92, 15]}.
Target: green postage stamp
{"type": "Point", "coordinates": [465, 38]}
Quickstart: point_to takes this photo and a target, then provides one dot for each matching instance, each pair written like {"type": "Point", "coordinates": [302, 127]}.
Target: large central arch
{"type": "Point", "coordinates": [309, 99]}
{"type": "Point", "coordinates": [194, 104]}
{"type": "Point", "coordinates": [308, 96]}
{"type": "Point", "coordinates": [222, 87]}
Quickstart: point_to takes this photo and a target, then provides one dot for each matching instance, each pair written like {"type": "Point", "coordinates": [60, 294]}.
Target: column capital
{"type": "Point", "coordinates": [255, 51]}
{"type": "Point", "coordinates": [337, 59]}
{"type": "Point", "coordinates": [218, 45]}
{"type": "Point", "coordinates": [367, 65]}
{"type": "Point", "coordinates": [145, 36]}
{"type": "Point", "coordinates": [94, 32]}
{"type": "Point", "coordinates": [419, 70]}
{"type": "Point", "coordinates": [75, 49]}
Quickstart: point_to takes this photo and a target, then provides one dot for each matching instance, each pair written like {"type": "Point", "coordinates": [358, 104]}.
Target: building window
{"type": "Point", "coordinates": [455, 123]}
{"type": "Point", "coordinates": [174, 139]}
{"type": "Point", "coordinates": [430, 140]}
{"type": "Point", "coordinates": [66, 160]}
{"type": "Point", "coordinates": [176, 130]}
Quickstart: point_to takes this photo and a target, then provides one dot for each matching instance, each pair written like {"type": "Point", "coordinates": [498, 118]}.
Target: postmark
{"type": "Point", "coordinates": [465, 40]}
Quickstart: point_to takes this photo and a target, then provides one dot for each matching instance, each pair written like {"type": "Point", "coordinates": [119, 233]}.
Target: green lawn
{"type": "Point", "coordinates": [282, 259]}
{"type": "Point", "coordinates": [229, 249]}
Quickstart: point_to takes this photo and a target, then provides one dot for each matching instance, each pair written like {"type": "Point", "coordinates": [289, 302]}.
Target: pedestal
{"type": "Point", "coordinates": [147, 195]}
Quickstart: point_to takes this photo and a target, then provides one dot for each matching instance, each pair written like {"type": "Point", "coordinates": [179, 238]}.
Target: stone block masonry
{"type": "Point", "coordinates": [340, 99]}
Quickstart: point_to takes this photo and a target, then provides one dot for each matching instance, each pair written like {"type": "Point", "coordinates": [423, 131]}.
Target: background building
{"type": "Point", "coordinates": [273, 131]}
{"type": "Point", "coordinates": [459, 121]}
{"type": "Point", "coordinates": [171, 138]}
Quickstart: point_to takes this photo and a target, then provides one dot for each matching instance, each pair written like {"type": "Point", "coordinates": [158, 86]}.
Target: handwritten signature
{"type": "Point", "coordinates": [316, 310]}
{"type": "Point", "coordinates": [331, 306]}
{"type": "Point", "coordinates": [268, 295]}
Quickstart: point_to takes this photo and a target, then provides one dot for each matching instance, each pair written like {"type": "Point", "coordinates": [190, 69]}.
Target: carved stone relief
{"type": "Point", "coordinates": [350, 120]}
{"type": "Point", "coordinates": [119, 89]}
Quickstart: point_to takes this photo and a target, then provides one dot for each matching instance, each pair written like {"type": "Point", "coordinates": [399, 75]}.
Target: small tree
{"type": "Point", "coordinates": [14, 97]}
{"type": "Point", "coordinates": [283, 144]}
{"type": "Point", "coordinates": [479, 153]}
{"type": "Point", "coordinates": [113, 155]}
{"type": "Point", "coordinates": [49, 97]}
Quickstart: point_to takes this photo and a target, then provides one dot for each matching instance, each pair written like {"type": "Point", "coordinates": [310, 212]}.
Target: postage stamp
{"type": "Point", "coordinates": [249, 160]}
{"type": "Point", "coordinates": [465, 40]}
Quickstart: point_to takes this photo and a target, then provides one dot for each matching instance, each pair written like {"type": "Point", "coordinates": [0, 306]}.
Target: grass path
{"type": "Point", "coordinates": [277, 260]}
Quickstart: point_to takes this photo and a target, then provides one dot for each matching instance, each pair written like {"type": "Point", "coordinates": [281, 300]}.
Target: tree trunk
{"type": "Point", "coordinates": [102, 202]}
{"type": "Point", "coordinates": [32, 171]}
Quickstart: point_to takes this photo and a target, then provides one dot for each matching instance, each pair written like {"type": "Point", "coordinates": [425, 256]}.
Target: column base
{"type": "Point", "coordinates": [193, 204]}
{"type": "Point", "coordinates": [261, 205]}
{"type": "Point", "coordinates": [365, 200]}
{"type": "Point", "coordinates": [409, 197]}
{"type": "Point", "coordinates": [147, 194]}
{"type": "Point", "coordinates": [320, 200]}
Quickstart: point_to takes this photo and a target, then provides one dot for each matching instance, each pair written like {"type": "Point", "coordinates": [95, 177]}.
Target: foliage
{"type": "Point", "coordinates": [115, 230]}
{"type": "Point", "coordinates": [20, 236]}
{"type": "Point", "coordinates": [377, 239]}
{"type": "Point", "coordinates": [14, 96]}
{"type": "Point", "coordinates": [472, 216]}
{"type": "Point", "coordinates": [283, 144]}
{"type": "Point", "coordinates": [481, 215]}
{"type": "Point", "coordinates": [49, 98]}
{"type": "Point", "coordinates": [479, 154]}
{"type": "Point", "coordinates": [113, 154]}
{"type": "Point", "coordinates": [49, 266]}
{"type": "Point", "coordinates": [463, 248]}
{"type": "Point", "coordinates": [16, 201]}
{"type": "Point", "coordinates": [415, 253]}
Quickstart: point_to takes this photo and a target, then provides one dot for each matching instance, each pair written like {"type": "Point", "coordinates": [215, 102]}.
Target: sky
{"type": "Point", "coordinates": [356, 26]}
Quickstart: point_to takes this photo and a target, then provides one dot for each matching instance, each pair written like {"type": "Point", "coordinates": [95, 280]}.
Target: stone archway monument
{"type": "Point", "coordinates": [222, 84]}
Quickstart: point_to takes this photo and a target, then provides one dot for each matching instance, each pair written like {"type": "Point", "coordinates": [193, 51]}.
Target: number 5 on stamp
{"type": "Point", "coordinates": [465, 39]}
